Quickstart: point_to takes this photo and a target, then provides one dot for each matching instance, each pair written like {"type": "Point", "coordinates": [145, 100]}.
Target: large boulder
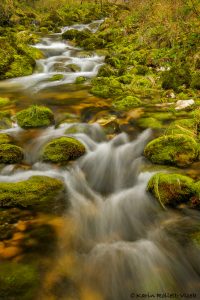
{"type": "Point", "coordinates": [35, 116]}
{"type": "Point", "coordinates": [10, 154]}
{"type": "Point", "coordinates": [38, 192]}
{"type": "Point", "coordinates": [179, 149]}
{"type": "Point", "coordinates": [63, 149]}
{"type": "Point", "coordinates": [171, 189]}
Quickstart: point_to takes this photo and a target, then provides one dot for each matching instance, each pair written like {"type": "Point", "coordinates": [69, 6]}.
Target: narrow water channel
{"type": "Point", "coordinates": [122, 243]}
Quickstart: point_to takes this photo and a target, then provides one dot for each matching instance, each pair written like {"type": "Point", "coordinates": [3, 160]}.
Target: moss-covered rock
{"type": "Point", "coordinates": [63, 149]}
{"type": "Point", "coordinates": [179, 149]}
{"type": "Point", "coordinates": [184, 126]}
{"type": "Point", "coordinates": [35, 116]}
{"type": "Point", "coordinates": [10, 154]}
{"type": "Point", "coordinates": [176, 77]}
{"type": "Point", "coordinates": [5, 139]}
{"type": "Point", "coordinates": [127, 103]}
{"type": "Point", "coordinates": [56, 77]}
{"type": "Point", "coordinates": [38, 192]}
{"type": "Point", "coordinates": [170, 189]}
{"type": "Point", "coordinates": [149, 123]}
{"type": "Point", "coordinates": [106, 87]}
{"type": "Point", "coordinates": [4, 101]}
{"type": "Point", "coordinates": [80, 80]}
{"type": "Point", "coordinates": [21, 66]}
{"type": "Point", "coordinates": [107, 71]}
{"type": "Point", "coordinates": [5, 120]}
{"type": "Point", "coordinates": [73, 68]}
{"type": "Point", "coordinates": [18, 281]}
{"type": "Point", "coordinates": [78, 35]}
{"type": "Point", "coordinates": [195, 83]}
{"type": "Point", "coordinates": [195, 200]}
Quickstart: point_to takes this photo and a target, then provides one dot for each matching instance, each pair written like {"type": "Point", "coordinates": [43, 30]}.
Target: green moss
{"type": "Point", "coordinates": [170, 189]}
{"type": "Point", "coordinates": [107, 71]}
{"type": "Point", "coordinates": [93, 43]}
{"type": "Point", "coordinates": [5, 139]}
{"type": "Point", "coordinates": [4, 101]}
{"type": "Point", "coordinates": [195, 200]}
{"type": "Point", "coordinates": [18, 281]}
{"type": "Point", "coordinates": [179, 149]}
{"type": "Point", "coordinates": [127, 103]}
{"type": "Point", "coordinates": [73, 68]}
{"type": "Point", "coordinates": [21, 66]}
{"type": "Point", "coordinates": [78, 35]}
{"type": "Point", "coordinates": [80, 80]}
{"type": "Point", "coordinates": [5, 120]}
{"type": "Point", "coordinates": [142, 70]}
{"type": "Point", "coordinates": [176, 77]}
{"type": "Point", "coordinates": [56, 77]}
{"type": "Point", "coordinates": [38, 192]}
{"type": "Point", "coordinates": [184, 126]}
{"type": "Point", "coordinates": [35, 116]}
{"type": "Point", "coordinates": [10, 154]}
{"type": "Point", "coordinates": [63, 149]}
{"type": "Point", "coordinates": [125, 79]}
{"type": "Point", "coordinates": [106, 87]}
{"type": "Point", "coordinates": [195, 83]}
{"type": "Point", "coordinates": [149, 123]}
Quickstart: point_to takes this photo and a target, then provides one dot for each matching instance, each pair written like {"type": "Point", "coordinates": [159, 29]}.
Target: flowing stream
{"type": "Point", "coordinates": [124, 244]}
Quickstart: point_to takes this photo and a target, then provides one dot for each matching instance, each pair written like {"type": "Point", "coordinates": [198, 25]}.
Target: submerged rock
{"type": "Point", "coordinates": [171, 189]}
{"type": "Point", "coordinates": [37, 192]}
{"type": "Point", "coordinates": [18, 281]}
{"type": "Point", "coordinates": [10, 154]}
{"type": "Point", "coordinates": [63, 149]}
{"type": "Point", "coordinates": [35, 116]}
{"type": "Point", "coordinates": [178, 149]}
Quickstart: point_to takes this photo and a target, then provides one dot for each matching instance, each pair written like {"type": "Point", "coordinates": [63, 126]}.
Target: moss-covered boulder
{"type": "Point", "coordinates": [127, 103]}
{"type": "Point", "coordinates": [171, 189]}
{"type": "Point", "coordinates": [18, 281]}
{"type": "Point", "coordinates": [5, 139]}
{"type": "Point", "coordinates": [4, 101]}
{"type": "Point", "coordinates": [56, 77]}
{"type": "Point", "coordinates": [179, 150]}
{"type": "Point", "coordinates": [10, 154]}
{"type": "Point", "coordinates": [38, 192]}
{"type": "Point", "coordinates": [77, 35]}
{"type": "Point", "coordinates": [80, 80]}
{"type": "Point", "coordinates": [22, 65]}
{"type": "Point", "coordinates": [63, 149]}
{"type": "Point", "coordinates": [184, 126]}
{"type": "Point", "coordinates": [35, 116]}
{"type": "Point", "coordinates": [149, 123]}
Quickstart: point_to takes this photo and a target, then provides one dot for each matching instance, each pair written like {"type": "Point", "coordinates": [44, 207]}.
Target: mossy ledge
{"type": "Point", "coordinates": [63, 149]}
{"type": "Point", "coordinates": [35, 116]}
{"type": "Point", "coordinates": [10, 154]}
{"type": "Point", "coordinates": [179, 149]}
{"type": "Point", "coordinates": [5, 139]}
{"type": "Point", "coordinates": [37, 192]}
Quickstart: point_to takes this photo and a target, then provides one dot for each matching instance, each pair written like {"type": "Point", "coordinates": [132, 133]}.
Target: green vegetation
{"type": "Point", "coordinates": [179, 149]}
{"type": "Point", "coordinates": [63, 149]}
{"type": "Point", "coordinates": [10, 154]}
{"type": "Point", "coordinates": [35, 116]}
{"type": "Point", "coordinates": [5, 139]}
{"type": "Point", "coordinates": [170, 189]}
{"type": "Point", "coordinates": [18, 281]}
{"type": "Point", "coordinates": [4, 101]}
{"type": "Point", "coordinates": [5, 120]}
{"type": "Point", "coordinates": [38, 192]}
